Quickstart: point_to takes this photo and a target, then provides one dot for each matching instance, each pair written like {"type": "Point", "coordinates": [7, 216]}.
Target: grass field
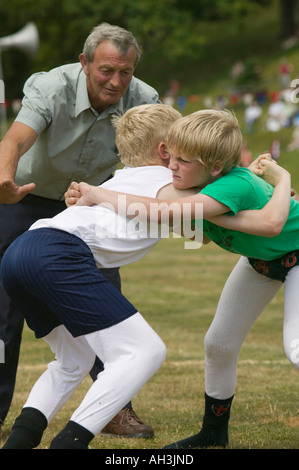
{"type": "Point", "coordinates": [177, 291]}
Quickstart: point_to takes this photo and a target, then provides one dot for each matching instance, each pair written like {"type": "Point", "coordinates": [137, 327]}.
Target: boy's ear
{"type": "Point", "coordinates": [217, 168]}
{"type": "Point", "coordinates": [163, 151]}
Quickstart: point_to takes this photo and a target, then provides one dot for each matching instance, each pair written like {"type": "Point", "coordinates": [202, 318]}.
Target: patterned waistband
{"type": "Point", "coordinates": [276, 269]}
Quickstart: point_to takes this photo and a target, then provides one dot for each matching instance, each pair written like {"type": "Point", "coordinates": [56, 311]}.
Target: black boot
{"type": "Point", "coordinates": [214, 432]}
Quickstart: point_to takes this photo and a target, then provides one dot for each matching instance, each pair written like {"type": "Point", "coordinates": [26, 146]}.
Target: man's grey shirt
{"type": "Point", "coordinates": [75, 142]}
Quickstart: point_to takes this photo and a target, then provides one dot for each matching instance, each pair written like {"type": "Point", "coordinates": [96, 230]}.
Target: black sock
{"type": "Point", "coordinates": [73, 436]}
{"type": "Point", "coordinates": [27, 430]}
{"type": "Point", "coordinates": [214, 432]}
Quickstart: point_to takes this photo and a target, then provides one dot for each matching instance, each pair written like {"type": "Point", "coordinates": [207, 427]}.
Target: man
{"type": "Point", "coordinates": [62, 133]}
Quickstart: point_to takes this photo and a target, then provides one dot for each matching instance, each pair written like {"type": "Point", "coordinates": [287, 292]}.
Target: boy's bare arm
{"type": "Point", "coordinates": [84, 194]}
{"type": "Point", "coordinates": [112, 199]}
{"type": "Point", "coordinates": [73, 193]}
{"type": "Point", "coordinates": [264, 222]}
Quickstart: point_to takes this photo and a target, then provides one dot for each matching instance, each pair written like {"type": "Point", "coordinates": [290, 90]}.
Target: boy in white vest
{"type": "Point", "coordinates": [51, 272]}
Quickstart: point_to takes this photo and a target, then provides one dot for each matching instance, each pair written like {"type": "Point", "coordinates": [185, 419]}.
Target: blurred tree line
{"type": "Point", "coordinates": [167, 29]}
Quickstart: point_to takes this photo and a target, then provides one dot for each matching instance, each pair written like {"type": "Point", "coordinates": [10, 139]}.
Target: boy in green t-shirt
{"type": "Point", "coordinates": [205, 150]}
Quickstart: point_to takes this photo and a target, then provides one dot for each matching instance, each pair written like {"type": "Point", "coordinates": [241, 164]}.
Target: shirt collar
{"type": "Point", "coordinates": [82, 100]}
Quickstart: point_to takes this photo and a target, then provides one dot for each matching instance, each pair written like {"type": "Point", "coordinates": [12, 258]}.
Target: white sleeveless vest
{"type": "Point", "coordinates": [114, 239]}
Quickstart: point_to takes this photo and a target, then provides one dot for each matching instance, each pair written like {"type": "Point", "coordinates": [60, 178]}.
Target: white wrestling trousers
{"type": "Point", "coordinates": [131, 352]}
{"type": "Point", "coordinates": [244, 297]}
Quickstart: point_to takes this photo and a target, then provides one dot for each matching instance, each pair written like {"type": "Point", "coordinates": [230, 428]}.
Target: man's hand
{"type": "Point", "coordinates": [10, 192]}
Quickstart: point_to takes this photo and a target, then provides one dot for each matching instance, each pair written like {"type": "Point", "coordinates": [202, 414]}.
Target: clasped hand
{"type": "Point", "coordinates": [77, 194]}
{"type": "Point", "coordinates": [267, 168]}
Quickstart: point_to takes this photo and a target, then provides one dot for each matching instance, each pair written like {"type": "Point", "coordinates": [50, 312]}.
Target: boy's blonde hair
{"type": "Point", "coordinates": [207, 136]}
{"type": "Point", "coordinates": [140, 130]}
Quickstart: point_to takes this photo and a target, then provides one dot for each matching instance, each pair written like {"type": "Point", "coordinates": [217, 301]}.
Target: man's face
{"type": "Point", "coordinates": [108, 75]}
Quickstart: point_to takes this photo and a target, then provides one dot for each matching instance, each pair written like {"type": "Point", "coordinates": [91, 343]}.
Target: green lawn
{"type": "Point", "coordinates": [177, 292]}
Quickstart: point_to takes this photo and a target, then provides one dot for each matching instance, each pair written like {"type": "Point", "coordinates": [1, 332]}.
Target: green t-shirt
{"type": "Point", "coordinates": [240, 190]}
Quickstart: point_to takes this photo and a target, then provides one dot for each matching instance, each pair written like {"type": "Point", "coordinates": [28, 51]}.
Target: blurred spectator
{"type": "Point", "coordinates": [275, 149]}
{"type": "Point", "coordinates": [296, 119]}
{"type": "Point", "coordinates": [208, 102]}
{"type": "Point", "coordinates": [235, 98]}
{"type": "Point", "coordinates": [252, 114]}
{"type": "Point", "coordinates": [171, 93]}
{"type": "Point", "coordinates": [170, 100]}
{"type": "Point", "coordinates": [290, 110]}
{"type": "Point", "coordinates": [276, 115]}
{"type": "Point", "coordinates": [284, 72]}
{"type": "Point", "coordinates": [248, 98]}
{"type": "Point", "coordinates": [194, 98]}
{"type": "Point", "coordinates": [237, 70]}
{"type": "Point", "coordinates": [181, 103]}
{"type": "Point", "coordinates": [221, 102]}
{"type": "Point", "coordinates": [174, 87]}
{"type": "Point", "coordinates": [261, 97]}
{"type": "Point", "coordinates": [246, 157]}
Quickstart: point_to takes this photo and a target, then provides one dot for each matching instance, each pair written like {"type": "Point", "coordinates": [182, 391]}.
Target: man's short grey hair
{"type": "Point", "coordinates": [122, 39]}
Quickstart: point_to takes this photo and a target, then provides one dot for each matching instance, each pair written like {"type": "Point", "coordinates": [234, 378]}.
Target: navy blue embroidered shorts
{"type": "Point", "coordinates": [276, 269]}
{"type": "Point", "coordinates": [52, 276]}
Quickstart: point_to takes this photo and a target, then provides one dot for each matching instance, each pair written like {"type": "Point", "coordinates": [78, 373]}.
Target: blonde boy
{"type": "Point", "coordinates": [68, 302]}
{"type": "Point", "coordinates": [202, 148]}
{"type": "Point", "coordinates": [51, 272]}
{"type": "Point", "coordinates": [205, 150]}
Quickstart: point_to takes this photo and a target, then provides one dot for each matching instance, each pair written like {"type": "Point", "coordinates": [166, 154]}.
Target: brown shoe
{"type": "Point", "coordinates": [127, 424]}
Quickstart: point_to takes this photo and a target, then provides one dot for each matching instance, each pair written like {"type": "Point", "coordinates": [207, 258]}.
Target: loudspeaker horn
{"type": "Point", "coordinates": [27, 40]}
